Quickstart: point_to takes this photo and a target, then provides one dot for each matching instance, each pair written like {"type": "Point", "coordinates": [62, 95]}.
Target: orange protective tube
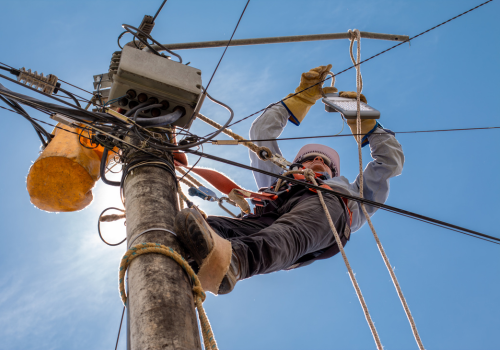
{"type": "Point", "coordinates": [62, 178]}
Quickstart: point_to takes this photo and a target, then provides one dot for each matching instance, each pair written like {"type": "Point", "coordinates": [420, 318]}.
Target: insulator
{"type": "Point", "coordinates": [146, 26]}
{"type": "Point", "coordinates": [38, 81]}
{"type": "Point", "coordinates": [113, 66]}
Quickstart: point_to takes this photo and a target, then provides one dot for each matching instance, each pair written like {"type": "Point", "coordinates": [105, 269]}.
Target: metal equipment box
{"type": "Point", "coordinates": [141, 75]}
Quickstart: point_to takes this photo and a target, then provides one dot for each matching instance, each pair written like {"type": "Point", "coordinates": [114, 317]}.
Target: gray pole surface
{"type": "Point", "coordinates": [160, 299]}
{"type": "Point", "coordinates": [281, 39]}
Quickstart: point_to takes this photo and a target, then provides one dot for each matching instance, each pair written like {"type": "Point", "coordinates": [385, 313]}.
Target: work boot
{"type": "Point", "coordinates": [219, 266]}
{"type": "Point", "coordinates": [232, 276]}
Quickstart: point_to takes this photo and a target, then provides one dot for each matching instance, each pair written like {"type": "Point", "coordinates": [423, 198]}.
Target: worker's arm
{"type": "Point", "coordinates": [387, 162]}
{"type": "Point", "coordinates": [269, 125]}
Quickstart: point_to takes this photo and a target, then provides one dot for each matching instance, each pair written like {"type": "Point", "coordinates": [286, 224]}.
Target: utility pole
{"type": "Point", "coordinates": [160, 300]}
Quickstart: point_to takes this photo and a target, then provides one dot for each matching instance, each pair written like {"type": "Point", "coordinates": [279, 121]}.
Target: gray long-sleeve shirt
{"type": "Point", "coordinates": [387, 162]}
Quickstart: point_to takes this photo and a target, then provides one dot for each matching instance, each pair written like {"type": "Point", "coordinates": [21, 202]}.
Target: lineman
{"type": "Point", "coordinates": [291, 231]}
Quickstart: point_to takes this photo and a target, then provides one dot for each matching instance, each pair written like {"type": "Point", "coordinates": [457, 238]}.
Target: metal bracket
{"type": "Point", "coordinates": [281, 39]}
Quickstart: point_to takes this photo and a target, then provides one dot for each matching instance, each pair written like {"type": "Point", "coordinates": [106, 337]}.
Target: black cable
{"type": "Point", "coordinates": [389, 208]}
{"type": "Point", "coordinates": [228, 43]}
{"type": "Point", "coordinates": [119, 329]}
{"type": "Point", "coordinates": [363, 61]}
{"type": "Point", "coordinates": [99, 230]}
{"type": "Point", "coordinates": [159, 10]}
{"type": "Point", "coordinates": [104, 160]}
{"type": "Point", "coordinates": [163, 120]}
{"type": "Point", "coordinates": [343, 135]}
{"type": "Point", "coordinates": [15, 71]}
{"type": "Point", "coordinates": [145, 42]}
{"type": "Point", "coordinates": [41, 132]}
{"type": "Point", "coordinates": [80, 100]}
{"type": "Point", "coordinates": [146, 161]}
{"type": "Point", "coordinates": [203, 140]}
{"type": "Point", "coordinates": [72, 96]}
{"type": "Point", "coordinates": [192, 167]}
{"type": "Point", "coordinates": [90, 115]}
{"type": "Point", "coordinates": [79, 88]}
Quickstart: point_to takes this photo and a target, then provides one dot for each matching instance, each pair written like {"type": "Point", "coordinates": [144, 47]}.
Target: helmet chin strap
{"type": "Point", "coordinates": [324, 173]}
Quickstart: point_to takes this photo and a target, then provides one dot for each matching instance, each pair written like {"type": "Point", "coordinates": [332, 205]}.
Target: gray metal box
{"type": "Point", "coordinates": [156, 76]}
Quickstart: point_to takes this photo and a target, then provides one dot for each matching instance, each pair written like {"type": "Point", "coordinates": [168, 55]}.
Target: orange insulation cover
{"type": "Point", "coordinates": [62, 178]}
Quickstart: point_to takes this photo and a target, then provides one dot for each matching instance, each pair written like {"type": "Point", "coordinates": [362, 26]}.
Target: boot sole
{"type": "Point", "coordinates": [194, 233]}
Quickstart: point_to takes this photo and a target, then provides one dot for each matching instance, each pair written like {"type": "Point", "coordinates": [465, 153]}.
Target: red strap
{"type": "Point", "coordinates": [223, 183]}
{"type": "Point", "coordinates": [299, 177]}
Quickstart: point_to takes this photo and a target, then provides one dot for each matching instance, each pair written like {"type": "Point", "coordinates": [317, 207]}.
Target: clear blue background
{"type": "Point", "coordinates": [58, 282]}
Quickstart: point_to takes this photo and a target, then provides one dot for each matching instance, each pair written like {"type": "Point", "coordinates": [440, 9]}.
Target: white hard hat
{"type": "Point", "coordinates": [330, 156]}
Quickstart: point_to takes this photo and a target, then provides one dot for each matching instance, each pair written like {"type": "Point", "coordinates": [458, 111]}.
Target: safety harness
{"type": "Point", "coordinates": [267, 200]}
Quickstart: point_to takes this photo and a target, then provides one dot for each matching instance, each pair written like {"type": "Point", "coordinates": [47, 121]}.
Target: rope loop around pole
{"type": "Point", "coordinates": [199, 295]}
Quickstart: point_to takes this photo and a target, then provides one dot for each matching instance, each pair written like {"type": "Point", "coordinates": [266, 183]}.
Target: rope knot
{"type": "Point", "coordinates": [200, 293]}
{"type": "Point", "coordinates": [309, 174]}
{"type": "Point", "coordinates": [355, 34]}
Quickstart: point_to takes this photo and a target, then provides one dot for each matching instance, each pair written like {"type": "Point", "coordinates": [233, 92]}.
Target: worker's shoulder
{"type": "Point", "coordinates": [339, 183]}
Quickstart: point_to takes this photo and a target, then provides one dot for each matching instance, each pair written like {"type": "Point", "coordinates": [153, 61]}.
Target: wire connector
{"type": "Point", "coordinates": [38, 81]}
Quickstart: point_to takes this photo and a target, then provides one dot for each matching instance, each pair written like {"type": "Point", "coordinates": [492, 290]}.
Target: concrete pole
{"type": "Point", "coordinates": [160, 300]}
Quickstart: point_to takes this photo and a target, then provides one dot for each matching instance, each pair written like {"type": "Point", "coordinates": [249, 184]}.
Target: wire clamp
{"type": "Point", "coordinates": [38, 81]}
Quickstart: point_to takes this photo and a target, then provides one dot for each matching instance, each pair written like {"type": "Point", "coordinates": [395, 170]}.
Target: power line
{"type": "Point", "coordinates": [365, 60]}
{"type": "Point", "coordinates": [228, 43]}
{"type": "Point", "coordinates": [65, 82]}
{"type": "Point", "coordinates": [386, 207]}
{"type": "Point", "coordinates": [343, 135]}
{"type": "Point", "coordinates": [120, 328]}
{"type": "Point", "coordinates": [159, 10]}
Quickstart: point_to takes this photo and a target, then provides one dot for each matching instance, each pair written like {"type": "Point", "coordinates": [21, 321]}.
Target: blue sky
{"type": "Point", "coordinates": [58, 286]}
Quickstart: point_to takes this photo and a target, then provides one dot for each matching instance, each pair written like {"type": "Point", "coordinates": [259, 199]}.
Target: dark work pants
{"type": "Point", "coordinates": [300, 230]}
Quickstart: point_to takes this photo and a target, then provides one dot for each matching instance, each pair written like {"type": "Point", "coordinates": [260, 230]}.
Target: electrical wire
{"type": "Point", "coordinates": [99, 227]}
{"type": "Point", "coordinates": [30, 101]}
{"type": "Point", "coordinates": [389, 208]}
{"type": "Point", "coordinates": [363, 61]}
{"type": "Point", "coordinates": [102, 169]}
{"type": "Point", "coordinates": [79, 88]}
{"type": "Point", "coordinates": [145, 42]}
{"type": "Point", "coordinates": [192, 167]}
{"type": "Point", "coordinates": [159, 10]}
{"type": "Point", "coordinates": [17, 71]}
{"type": "Point", "coordinates": [120, 328]}
{"type": "Point", "coordinates": [343, 135]}
{"type": "Point", "coordinates": [71, 96]}
{"type": "Point", "coordinates": [228, 43]}
{"type": "Point", "coordinates": [42, 134]}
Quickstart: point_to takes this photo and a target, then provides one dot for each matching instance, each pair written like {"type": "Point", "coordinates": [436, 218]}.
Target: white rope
{"type": "Point", "coordinates": [356, 35]}
{"type": "Point", "coordinates": [309, 175]}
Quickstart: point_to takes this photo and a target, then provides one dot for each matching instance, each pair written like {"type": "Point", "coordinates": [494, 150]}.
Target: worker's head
{"type": "Point", "coordinates": [320, 159]}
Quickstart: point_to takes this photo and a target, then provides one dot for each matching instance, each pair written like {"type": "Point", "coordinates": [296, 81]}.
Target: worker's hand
{"type": "Point", "coordinates": [352, 94]}
{"type": "Point", "coordinates": [314, 76]}
{"type": "Point", "coordinates": [367, 125]}
{"type": "Point", "coordinates": [299, 104]}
